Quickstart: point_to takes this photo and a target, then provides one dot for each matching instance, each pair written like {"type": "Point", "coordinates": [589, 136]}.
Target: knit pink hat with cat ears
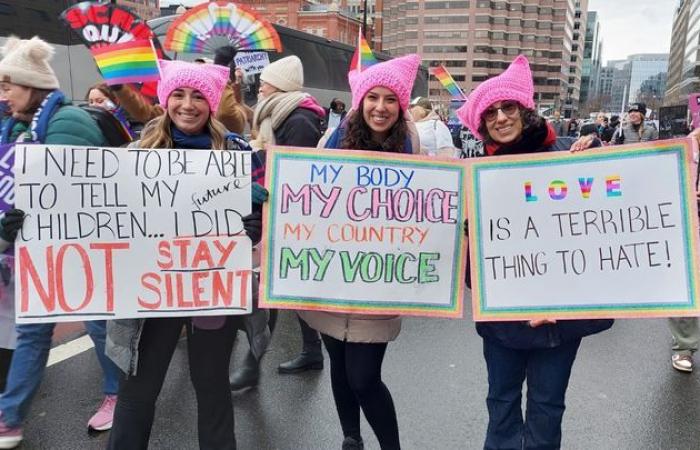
{"type": "Point", "coordinates": [397, 75]}
{"type": "Point", "coordinates": [209, 79]}
{"type": "Point", "coordinates": [513, 84]}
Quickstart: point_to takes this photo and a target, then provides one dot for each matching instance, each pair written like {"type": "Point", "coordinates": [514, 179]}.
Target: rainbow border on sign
{"type": "Point", "coordinates": [683, 148]}
{"type": "Point", "coordinates": [276, 155]}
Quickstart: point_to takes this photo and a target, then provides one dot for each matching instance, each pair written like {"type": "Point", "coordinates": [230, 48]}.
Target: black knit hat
{"type": "Point", "coordinates": [224, 55]}
{"type": "Point", "coordinates": [639, 107]}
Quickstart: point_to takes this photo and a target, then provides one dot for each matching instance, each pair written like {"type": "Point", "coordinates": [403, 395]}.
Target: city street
{"type": "Point", "coordinates": [623, 395]}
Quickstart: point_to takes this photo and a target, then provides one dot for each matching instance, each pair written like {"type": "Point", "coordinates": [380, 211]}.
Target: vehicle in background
{"type": "Point", "coordinates": [673, 121]}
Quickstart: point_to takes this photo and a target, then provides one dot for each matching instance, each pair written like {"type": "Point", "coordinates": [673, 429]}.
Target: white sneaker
{"type": "Point", "coordinates": [682, 363]}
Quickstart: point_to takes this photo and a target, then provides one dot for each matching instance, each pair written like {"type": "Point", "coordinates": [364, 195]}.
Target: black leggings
{"type": "Point", "coordinates": [209, 352]}
{"type": "Point", "coordinates": [5, 359]}
{"type": "Point", "coordinates": [356, 379]}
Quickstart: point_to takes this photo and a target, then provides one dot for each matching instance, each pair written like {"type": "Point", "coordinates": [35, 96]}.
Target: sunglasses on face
{"type": "Point", "coordinates": [507, 108]}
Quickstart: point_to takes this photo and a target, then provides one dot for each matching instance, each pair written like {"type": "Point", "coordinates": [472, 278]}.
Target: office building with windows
{"type": "Point", "coordinates": [477, 39]}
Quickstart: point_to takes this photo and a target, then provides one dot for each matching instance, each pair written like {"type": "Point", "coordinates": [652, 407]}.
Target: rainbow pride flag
{"type": "Point", "coordinates": [447, 81]}
{"type": "Point", "coordinates": [129, 62]}
{"type": "Point", "coordinates": [363, 57]}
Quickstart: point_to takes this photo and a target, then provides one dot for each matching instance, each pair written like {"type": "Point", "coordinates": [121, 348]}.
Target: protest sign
{"type": "Point", "coordinates": [363, 232]}
{"type": "Point", "coordinates": [252, 62]}
{"type": "Point", "coordinates": [125, 233]}
{"type": "Point", "coordinates": [608, 233]}
{"type": "Point", "coordinates": [7, 178]}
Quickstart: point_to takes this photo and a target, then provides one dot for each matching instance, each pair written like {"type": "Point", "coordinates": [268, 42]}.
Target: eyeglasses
{"type": "Point", "coordinates": [507, 108]}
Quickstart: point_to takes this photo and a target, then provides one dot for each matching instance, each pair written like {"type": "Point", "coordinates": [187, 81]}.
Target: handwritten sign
{"type": "Point", "coordinates": [598, 234]}
{"type": "Point", "coordinates": [124, 233]}
{"type": "Point", "coordinates": [252, 62]}
{"type": "Point", "coordinates": [368, 232]}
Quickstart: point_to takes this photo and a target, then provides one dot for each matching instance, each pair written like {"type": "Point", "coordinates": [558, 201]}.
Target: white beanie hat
{"type": "Point", "coordinates": [286, 74]}
{"type": "Point", "coordinates": [26, 62]}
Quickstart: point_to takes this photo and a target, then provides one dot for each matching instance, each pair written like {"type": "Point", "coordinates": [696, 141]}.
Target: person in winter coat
{"type": "Point", "coordinates": [143, 348]}
{"type": "Point", "coordinates": [231, 111]}
{"type": "Point", "coordinates": [357, 343]}
{"type": "Point", "coordinates": [635, 130]}
{"type": "Point", "coordinates": [435, 138]}
{"type": "Point", "coordinates": [41, 114]}
{"type": "Point", "coordinates": [285, 115]}
{"type": "Point", "coordinates": [8, 335]}
{"type": "Point", "coordinates": [101, 96]}
{"type": "Point", "coordinates": [501, 110]}
{"type": "Point", "coordinates": [335, 114]}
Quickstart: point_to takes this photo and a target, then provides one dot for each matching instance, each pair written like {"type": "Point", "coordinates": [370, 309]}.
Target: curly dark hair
{"type": "Point", "coordinates": [358, 135]}
{"type": "Point", "coordinates": [529, 117]}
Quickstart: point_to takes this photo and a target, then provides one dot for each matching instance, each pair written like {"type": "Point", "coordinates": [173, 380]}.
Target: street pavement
{"type": "Point", "coordinates": [623, 395]}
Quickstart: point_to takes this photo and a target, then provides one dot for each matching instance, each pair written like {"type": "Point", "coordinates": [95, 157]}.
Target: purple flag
{"type": "Point", "coordinates": [7, 177]}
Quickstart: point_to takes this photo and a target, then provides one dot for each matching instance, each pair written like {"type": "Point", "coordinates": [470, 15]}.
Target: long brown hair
{"type": "Point", "coordinates": [156, 133]}
{"type": "Point", "coordinates": [358, 135]}
{"type": "Point", "coordinates": [105, 90]}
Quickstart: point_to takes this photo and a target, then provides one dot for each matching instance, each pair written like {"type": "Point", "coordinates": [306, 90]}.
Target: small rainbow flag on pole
{"type": "Point", "coordinates": [363, 57]}
{"type": "Point", "coordinates": [447, 82]}
{"type": "Point", "coordinates": [129, 62]}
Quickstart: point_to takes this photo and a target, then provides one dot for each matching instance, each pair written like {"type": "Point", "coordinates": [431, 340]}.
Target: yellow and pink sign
{"type": "Point", "coordinates": [601, 233]}
{"type": "Point", "coordinates": [364, 232]}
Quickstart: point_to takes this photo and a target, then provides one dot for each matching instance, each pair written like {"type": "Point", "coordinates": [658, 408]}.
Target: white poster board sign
{"type": "Point", "coordinates": [600, 234]}
{"type": "Point", "coordinates": [365, 232]}
{"type": "Point", "coordinates": [125, 233]}
{"type": "Point", "coordinates": [252, 62]}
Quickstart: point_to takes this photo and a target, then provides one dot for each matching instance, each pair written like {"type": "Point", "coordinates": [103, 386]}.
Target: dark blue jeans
{"type": "Point", "coordinates": [547, 372]}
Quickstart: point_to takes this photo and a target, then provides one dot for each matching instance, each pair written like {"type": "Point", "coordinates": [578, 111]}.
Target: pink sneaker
{"type": "Point", "coordinates": [102, 420]}
{"type": "Point", "coordinates": [9, 437]}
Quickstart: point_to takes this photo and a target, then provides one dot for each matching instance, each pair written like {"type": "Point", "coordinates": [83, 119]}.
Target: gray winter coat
{"type": "Point", "coordinates": [628, 135]}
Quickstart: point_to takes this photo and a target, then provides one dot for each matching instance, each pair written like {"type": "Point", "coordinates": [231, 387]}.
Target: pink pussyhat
{"type": "Point", "coordinates": [397, 75]}
{"type": "Point", "coordinates": [513, 84]}
{"type": "Point", "coordinates": [209, 79]}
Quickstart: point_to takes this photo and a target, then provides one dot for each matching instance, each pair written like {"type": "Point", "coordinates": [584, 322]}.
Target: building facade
{"type": "Point", "coordinates": [145, 9]}
{"type": "Point", "coordinates": [683, 67]}
{"type": "Point", "coordinates": [592, 54]}
{"type": "Point", "coordinates": [649, 69]}
{"type": "Point", "coordinates": [330, 20]}
{"type": "Point", "coordinates": [477, 39]}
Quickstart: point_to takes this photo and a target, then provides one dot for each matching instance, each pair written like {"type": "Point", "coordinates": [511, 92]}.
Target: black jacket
{"type": "Point", "coordinates": [302, 128]}
{"type": "Point", "coordinates": [520, 335]}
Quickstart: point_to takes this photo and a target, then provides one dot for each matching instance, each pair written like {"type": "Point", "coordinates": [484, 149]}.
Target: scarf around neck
{"type": "Point", "coordinates": [39, 125]}
{"type": "Point", "coordinates": [183, 140]}
{"type": "Point", "coordinates": [271, 112]}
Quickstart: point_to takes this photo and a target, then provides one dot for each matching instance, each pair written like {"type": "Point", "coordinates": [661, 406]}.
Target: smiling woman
{"type": "Point", "coordinates": [357, 343]}
{"type": "Point", "coordinates": [190, 93]}
{"type": "Point", "coordinates": [501, 112]}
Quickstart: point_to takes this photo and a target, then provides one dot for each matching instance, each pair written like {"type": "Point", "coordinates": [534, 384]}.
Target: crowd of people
{"type": "Point", "coordinates": [199, 105]}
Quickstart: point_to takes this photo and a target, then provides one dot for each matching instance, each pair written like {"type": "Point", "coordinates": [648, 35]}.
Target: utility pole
{"type": "Point", "coordinates": [364, 19]}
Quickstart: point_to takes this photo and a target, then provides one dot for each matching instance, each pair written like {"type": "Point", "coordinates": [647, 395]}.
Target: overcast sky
{"type": "Point", "coordinates": [627, 26]}
{"type": "Point", "coordinates": [634, 26]}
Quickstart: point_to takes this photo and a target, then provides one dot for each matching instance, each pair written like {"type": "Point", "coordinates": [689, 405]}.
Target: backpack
{"type": "Point", "coordinates": [112, 129]}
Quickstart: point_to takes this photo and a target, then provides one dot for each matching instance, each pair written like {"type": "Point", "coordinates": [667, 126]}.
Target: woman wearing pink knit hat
{"type": "Point", "coordinates": [142, 348]}
{"type": "Point", "coordinates": [501, 112]}
{"type": "Point", "coordinates": [357, 343]}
